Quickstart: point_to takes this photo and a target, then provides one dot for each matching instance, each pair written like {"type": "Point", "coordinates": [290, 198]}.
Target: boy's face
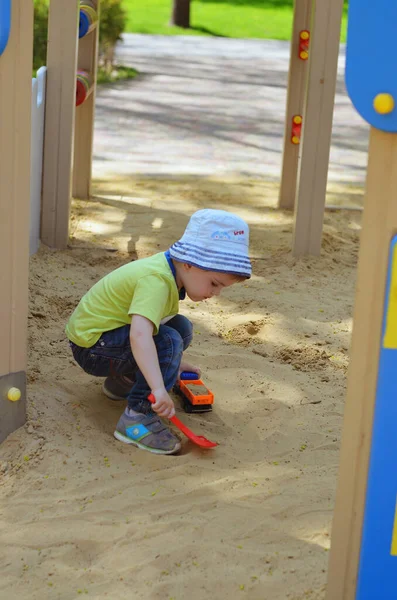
{"type": "Point", "coordinates": [201, 285]}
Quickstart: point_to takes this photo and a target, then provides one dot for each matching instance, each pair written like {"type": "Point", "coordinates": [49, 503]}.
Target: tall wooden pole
{"type": "Point", "coordinates": [59, 121]}
{"type": "Point", "coordinates": [15, 126]}
{"type": "Point", "coordinates": [296, 92]}
{"type": "Point", "coordinates": [317, 127]}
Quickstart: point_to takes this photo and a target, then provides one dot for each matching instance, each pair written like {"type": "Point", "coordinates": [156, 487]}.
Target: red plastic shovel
{"type": "Point", "coordinates": [200, 440]}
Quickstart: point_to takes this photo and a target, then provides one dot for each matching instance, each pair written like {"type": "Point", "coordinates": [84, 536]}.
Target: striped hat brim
{"type": "Point", "coordinates": [211, 259]}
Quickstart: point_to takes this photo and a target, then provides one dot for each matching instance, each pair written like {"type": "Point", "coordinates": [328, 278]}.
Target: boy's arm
{"type": "Point", "coordinates": [145, 355]}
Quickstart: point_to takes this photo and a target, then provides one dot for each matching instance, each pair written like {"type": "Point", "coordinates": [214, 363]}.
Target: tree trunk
{"type": "Point", "coordinates": [181, 13]}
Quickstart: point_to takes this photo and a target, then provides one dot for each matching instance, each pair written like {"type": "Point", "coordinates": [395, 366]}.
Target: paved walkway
{"type": "Point", "coordinates": [210, 106]}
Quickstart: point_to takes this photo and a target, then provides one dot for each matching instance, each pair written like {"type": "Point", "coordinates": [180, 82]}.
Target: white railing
{"type": "Point", "coordinates": [37, 140]}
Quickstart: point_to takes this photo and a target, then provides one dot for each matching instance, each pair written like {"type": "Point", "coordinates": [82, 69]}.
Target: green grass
{"type": "Point", "coordinates": [271, 19]}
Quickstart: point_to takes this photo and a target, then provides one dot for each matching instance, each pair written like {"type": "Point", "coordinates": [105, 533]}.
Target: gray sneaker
{"type": "Point", "coordinates": [117, 388]}
{"type": "Point", "coordinates": [148, 432]}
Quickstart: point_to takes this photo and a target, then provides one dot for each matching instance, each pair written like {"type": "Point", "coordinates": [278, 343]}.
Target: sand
{"type": "Point", "coordinates": [197, 390]}
{"type": "Point", "coordinates": [83, 515]}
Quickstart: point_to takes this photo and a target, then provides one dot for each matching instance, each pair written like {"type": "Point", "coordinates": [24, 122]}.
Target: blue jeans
{"type": "Point", "coordinates": [112, 356]}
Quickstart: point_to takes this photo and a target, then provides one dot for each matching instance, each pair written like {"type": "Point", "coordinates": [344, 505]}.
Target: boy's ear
{"type": "Point", "coordinates": [186, 267]}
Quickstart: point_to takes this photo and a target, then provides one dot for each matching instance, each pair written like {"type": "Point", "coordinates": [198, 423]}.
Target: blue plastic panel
{"type": "Point", "coordinates": [377, 576]}
{"type": "Point", "coordinates": [371, 58]}
{"type": "Point", "coordinates": [5, 23]}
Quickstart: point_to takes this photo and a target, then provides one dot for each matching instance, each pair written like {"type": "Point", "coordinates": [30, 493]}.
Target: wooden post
{"type": "Point", "coordinates": [15, 125]}
{"type": "Point", "coordinates": [295, 104]}
{"type": "Point", "coordinates": [59, 121]}
{"type": "Point", "coordinates": [317, 119]}
{"type": "Point", "coordinates": [85, 115]}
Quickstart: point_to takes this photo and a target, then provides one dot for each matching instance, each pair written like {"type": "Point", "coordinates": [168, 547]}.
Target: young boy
{"type": "Point", "coordinates": [127, 327]}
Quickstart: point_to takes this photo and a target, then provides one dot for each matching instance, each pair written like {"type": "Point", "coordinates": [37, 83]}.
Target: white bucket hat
{"type": "Point", "coordinates": [215, 240]}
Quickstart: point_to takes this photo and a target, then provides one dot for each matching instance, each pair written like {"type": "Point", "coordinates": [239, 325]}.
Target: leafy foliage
{"type": "Point", "coordinates": [112, 24]}
{"type": "Point", "coordinates": [40, 33]}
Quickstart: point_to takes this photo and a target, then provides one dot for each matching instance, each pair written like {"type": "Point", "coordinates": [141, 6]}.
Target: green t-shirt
{"type": "Point", "coordinates": [144, 287]}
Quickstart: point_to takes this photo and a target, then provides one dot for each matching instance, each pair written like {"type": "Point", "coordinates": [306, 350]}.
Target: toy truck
{"type": "Point", "coordinates": [195, 395]}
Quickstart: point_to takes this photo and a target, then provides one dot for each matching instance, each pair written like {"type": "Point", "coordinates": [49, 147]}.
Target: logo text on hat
{"type": "Point", "coordinates": [239, 232]}
{"type": "Point", "coordinates": [220, 235]}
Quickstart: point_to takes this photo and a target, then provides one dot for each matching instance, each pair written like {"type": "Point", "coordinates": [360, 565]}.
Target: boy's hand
{"type": "Point", "coordinates": [185, 366]}
{"type": "Point", "coordinates": [164, 405]}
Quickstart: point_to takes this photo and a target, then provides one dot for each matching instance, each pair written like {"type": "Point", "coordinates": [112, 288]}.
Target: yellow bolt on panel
{"type": "Point", "coordinates": [384, 104]}
{"type": "Point", "coordinates": [14, 394]}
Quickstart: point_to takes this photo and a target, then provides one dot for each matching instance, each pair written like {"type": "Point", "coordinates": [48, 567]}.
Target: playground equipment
{"type": "Point", "coordinates": [363, 558]}
{"type": "Point", "coordinates": [297, 79]}
{"type": "Point", "coordinates": [83, 87]}
{"type": "Point", "coordinates": [21, 162]}
{"type": "Point", "coordinates": [296, 130]}
{"type": "Point", "coordinates": [16, 56]}
{"type": "Point", "coordinates": [304, 41]}
{"type": "Point", "coordinates": [72, 65]}
{"type": "Point", "coordinates": [87, 61]}
{"type": "Point", "coordinates": [88, 17]}
{"type": "Point", "coordinates": [311, 92]}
